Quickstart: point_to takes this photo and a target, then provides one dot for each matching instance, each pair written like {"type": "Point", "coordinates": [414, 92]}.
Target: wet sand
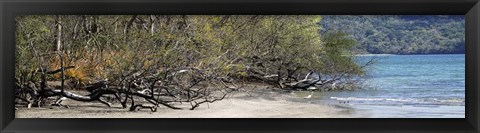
{"type": "Point", "coordinates": [259, 103]}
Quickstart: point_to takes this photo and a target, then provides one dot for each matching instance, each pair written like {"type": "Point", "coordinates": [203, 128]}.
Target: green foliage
{"type": "Point", "coordinates": [31, 36]}
{"type": "Point", "coordinates": [338, 54]}
{"type": "Point", "coordinates": [405, 34]}
{"type": "Point", "coordinates": [227, 46]}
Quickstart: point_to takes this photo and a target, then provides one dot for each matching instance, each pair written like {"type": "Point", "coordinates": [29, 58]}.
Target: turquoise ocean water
{"type": "Point", "coordinates": [406, 86]}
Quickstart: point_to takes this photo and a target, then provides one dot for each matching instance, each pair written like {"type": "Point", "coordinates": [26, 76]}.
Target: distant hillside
{"type": "Point", "coordinates": [401, 34]}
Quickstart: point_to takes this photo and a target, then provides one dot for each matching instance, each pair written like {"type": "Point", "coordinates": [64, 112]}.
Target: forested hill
{"type": "Point", "coordinates": [410, 34]}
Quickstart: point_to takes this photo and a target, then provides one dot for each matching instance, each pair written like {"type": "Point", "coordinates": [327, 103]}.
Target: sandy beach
{"type": "Point", "coordinates": [259, 103]}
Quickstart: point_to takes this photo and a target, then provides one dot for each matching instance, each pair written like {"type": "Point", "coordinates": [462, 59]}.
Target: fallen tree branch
{"type": "Point", "coordinates": [59, 70]}
{"type": "Point", "coordinates": [152, 108]}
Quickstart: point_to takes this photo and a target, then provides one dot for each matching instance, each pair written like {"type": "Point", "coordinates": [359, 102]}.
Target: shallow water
{"type": "Point", "coordinates": [407, 86]}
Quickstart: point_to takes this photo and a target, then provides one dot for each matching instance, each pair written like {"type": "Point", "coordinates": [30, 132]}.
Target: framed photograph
{"type": "Point", "coordinates": [233, 66]}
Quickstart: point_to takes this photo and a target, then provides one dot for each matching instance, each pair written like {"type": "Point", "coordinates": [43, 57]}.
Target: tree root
{"type": "Point", "coordinates": [137, 107]}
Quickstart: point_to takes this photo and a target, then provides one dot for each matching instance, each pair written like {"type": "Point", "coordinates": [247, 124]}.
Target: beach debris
{"type": "Point", "coordinates": [186, 86]}
{"type": "Point", "coordinates": [309, 96]}
{"type": "Point", "coordinates": [310, 80]}
{"type": "Point", "coordinates": [312, 88]}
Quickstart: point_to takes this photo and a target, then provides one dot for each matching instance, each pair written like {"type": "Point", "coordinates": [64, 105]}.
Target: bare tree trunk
{"type": "Point", "coordinates": [129, 24]}
{"type": "Point", "coordinates": [58, 23]}
{"type": "Point", "coordinates": [62, 70]}
{"type": "Point", "coordinates": [75, 32]}
{"type": "Point", "coordinates": [152, 24]}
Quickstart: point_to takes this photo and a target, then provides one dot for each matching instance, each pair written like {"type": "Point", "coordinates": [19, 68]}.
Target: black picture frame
{"type": "Point", "coordinates": [11, 8]}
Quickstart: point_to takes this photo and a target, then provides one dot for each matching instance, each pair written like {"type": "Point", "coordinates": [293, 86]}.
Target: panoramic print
{"type": "Point", "coordinates": [240, 66]}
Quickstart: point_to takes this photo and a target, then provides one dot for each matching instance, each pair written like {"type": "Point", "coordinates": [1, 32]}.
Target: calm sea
{"type": "Point", "coordinates": [407, 86]}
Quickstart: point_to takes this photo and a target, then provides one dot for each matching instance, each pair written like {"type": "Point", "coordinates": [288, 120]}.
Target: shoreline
{"type": "Point", "coordinates": [258, 103]}
{"type": "Point", "coordinates": [407, 54]}
{"type": "Point", "coordinates": [254, 103]}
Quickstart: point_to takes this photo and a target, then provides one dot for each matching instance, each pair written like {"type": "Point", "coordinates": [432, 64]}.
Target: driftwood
{"type": "Point", "coordinates": [138, 106]}
{"type": "Point", "coordinates": [174, 85]}
{"type": "Point", "coordinates": [312, 79]}
{"type": "Point", "coordinates": [154, 95]}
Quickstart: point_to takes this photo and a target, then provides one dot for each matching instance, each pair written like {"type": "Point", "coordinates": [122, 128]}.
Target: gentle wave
{"type": "Point", "coordinates": [402, 101]}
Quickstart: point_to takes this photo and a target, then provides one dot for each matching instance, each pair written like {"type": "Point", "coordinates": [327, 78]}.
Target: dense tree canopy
{"type": "Point", "coordinates": [186, 58]}
{"type": "Point", "coordinates": [404, 34]}
{"type": "Point", "coordinates": [166, 59]}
